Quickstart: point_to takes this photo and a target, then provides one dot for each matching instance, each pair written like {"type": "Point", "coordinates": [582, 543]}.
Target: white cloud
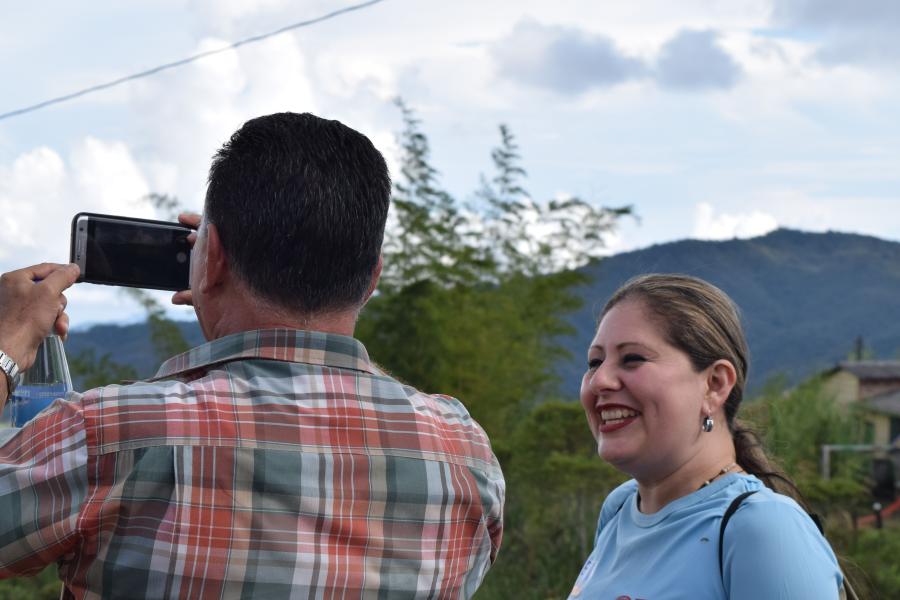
{"type": "Point", "coordinates": [234, 17]}
{"type": "Point", "coordinates": [30, 191]}
{"type": "Point", "coordinates": [815, 208]}
{"type": "Point", "coordinates": [40, 192]}
{"type": "Point", "coordinates": [711, 226]}
{"type": "Point", "coordinates": [563, 59]}
{"type": "Point", "coordinates": [106, 179]}
{"type": "Point", "coordinates": [202, 104]}
{"type": "Point", "coordinates": [183, 117]}
{"type": "Point", "coordinates": [571, 60]}
{"type": "Point", "coordinates": [863, 31]}
{"type": "Point", "coordinates": [693, 59]}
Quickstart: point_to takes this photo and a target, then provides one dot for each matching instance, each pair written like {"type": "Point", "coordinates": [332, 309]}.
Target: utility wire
{"type": "Point", "coordinates": [184, 61]}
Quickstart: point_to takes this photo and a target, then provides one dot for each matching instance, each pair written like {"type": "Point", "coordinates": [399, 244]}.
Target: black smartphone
{"type": "Point", "coordinates": [131, 252]}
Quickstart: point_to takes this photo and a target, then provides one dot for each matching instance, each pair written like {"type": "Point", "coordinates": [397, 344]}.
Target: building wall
{"type": "Point", "coordinates": [882, 429]}
{"type": "Point", "coordinates": [843, 387]}
{"type": "Point", "coordinates": [847, 389]}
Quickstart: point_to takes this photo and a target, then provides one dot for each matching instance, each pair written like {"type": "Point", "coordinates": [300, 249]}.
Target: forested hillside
{"type": "Point", "coordinates": [805, 297]}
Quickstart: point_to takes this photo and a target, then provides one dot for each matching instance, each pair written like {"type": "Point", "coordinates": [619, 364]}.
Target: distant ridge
{"type": "Point", "coordinates": [126, 344]}
{"type": "Point", "coordinates": [805, 298]}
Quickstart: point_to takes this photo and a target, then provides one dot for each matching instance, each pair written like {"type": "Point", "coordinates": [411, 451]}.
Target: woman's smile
{"type": "Point", "coordinates": [613, 417]}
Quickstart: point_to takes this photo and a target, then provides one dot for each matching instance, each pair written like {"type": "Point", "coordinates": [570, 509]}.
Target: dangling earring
{"type": "Point", "coordinates": [707, 424]}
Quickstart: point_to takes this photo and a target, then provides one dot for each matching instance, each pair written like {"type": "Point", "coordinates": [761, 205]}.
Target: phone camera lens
{"type": "Point", "coordinates": [181, 257]}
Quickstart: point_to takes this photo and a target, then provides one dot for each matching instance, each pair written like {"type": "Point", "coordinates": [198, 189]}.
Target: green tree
{"type": "Point", "coordinates": [528, 238]}
{"type": "Point", "coordinates": [429, 238]}
{"type": "Point", "coordinates": [43, 586]}
{"type": "Point", "coordinates": [872, 554]}
{"type": "Point", "coordinates": [555, 485]}
{"type": "Point", "coordinates": [91, 372]}
{"type": "Point", "coordinates": [473, 303]}
{"type": "Point", "coordinates": [795, 425]}
{"type": "Point", "coordinates": [860, 351]}
{"type": "Point", "coordinates": [474, 297]}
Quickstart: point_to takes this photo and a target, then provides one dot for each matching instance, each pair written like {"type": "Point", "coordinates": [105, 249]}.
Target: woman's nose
{"type": "Point", "coordinates": [604, 379]}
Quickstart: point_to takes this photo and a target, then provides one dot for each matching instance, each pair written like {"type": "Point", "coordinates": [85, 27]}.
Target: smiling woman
{"type": "Point", "coordinates": [665, 378]}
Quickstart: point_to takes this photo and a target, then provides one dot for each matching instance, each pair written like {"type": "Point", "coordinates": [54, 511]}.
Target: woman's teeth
{"type": "Point", "coordinates": [610, 415]}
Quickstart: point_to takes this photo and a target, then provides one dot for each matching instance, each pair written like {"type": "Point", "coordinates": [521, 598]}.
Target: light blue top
{"type": "Point", "coordinates": [772, 548]}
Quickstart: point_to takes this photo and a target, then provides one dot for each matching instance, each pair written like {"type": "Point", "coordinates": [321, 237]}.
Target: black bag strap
{"type": "Point", "coordinates": [735, 504]}
{"type": "Point", "coordinates": [818, 521]}
{"type": "Point", "coordinates": [848, 590]}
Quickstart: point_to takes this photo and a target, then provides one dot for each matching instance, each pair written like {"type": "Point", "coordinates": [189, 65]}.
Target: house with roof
{"type": "Point", "coordinates": [875, 384]}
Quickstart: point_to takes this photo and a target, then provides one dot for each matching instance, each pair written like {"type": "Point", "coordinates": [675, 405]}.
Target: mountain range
{"type": "Point", "coordinates": [806, 298]}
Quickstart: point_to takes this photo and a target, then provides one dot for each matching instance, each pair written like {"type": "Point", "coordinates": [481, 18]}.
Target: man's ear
{"type": "Point", "coordinates": [376, 275]}
{"type": "Point", "coordinates": [216, 263]}
{"type": "Point", "coordinates": [720, 379]}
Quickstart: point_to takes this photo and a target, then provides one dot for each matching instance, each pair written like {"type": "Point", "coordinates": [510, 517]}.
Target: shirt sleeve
{"type": "Point", "coordinates": [492, 491]}
{"type": "Point", "coordinates": [773, 550]}
{"type": "Point", "coordinates": [614, 503]}
{"type": "Point", "coordinates": [493, 494]}
{"type": "Point", "coordinates": [43, 483]}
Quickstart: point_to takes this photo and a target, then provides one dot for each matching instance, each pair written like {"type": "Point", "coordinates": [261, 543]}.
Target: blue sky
{"type": "Point", "coordinates": [713, 118]}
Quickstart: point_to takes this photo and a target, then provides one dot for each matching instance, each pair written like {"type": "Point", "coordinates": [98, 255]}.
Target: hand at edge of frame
{"type": "Point", "coordinates": [32, 304]}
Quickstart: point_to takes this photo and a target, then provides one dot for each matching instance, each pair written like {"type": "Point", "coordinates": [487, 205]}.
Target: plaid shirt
{"type": "Point", "coordinates": [266, 464]}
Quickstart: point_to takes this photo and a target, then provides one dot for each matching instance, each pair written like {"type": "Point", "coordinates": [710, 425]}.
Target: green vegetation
{"type": "Point", "coordinates": [92, 372]}
{"type": "Point", "coordinates": [555, 486]}
{"type": "Point", "coordinates": [794, 424]}
{"type": "Point", "coordinates": [474, 297]}
{"type": "Point", "coordinates": [43, 586]}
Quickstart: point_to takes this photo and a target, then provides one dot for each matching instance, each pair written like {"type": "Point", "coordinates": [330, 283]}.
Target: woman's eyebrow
{"type": "Point", "coordinates": [621, 345]}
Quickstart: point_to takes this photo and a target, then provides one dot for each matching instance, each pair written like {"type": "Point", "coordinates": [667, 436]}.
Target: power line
{"type": "Point", "coordinates": [184, 61]}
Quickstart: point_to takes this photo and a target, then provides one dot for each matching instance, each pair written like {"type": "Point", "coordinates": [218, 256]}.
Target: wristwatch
{"type": "Point", "coordinates": [11, 370]}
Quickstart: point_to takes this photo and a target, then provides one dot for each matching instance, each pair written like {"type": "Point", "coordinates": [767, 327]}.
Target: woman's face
{"type": "Point", "coordinates": [642, 396]}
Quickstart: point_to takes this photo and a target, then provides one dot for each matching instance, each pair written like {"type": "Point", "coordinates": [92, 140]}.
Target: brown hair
{"type": "Point", "coordinates": [703, 322]}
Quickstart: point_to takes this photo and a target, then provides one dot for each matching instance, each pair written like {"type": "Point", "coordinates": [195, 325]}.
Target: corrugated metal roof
{"type": "Point", "coordinates": [887, 403]}
{"type": "Point", "coordinates": [871, 369]}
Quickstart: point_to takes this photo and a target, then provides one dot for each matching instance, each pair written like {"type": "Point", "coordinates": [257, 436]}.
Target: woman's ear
{"type": "Point", "coordinates": [720, 379]}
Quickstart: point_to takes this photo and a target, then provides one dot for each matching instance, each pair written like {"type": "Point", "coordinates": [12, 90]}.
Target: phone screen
{"type": "Point", "coordinates": [135, 253]}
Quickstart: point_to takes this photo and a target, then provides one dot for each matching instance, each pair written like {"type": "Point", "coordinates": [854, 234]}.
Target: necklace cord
{"type": "Point", "coordinates": [723, 471]}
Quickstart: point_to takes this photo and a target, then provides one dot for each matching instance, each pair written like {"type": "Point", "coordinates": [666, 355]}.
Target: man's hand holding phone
{"type": "Point", "coordinates": [191, 220]}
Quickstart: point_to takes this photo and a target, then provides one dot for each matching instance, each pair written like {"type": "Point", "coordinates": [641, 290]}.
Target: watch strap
{"type": "Point", "coordinates": [11, 370]}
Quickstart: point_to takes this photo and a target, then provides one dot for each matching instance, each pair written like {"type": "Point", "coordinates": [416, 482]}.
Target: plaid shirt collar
{"type": "Point", "coordinates": [289, 345]}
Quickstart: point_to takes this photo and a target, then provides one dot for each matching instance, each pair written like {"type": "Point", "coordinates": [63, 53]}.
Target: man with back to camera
{"type": "Point", "coordinates": [276, 460]}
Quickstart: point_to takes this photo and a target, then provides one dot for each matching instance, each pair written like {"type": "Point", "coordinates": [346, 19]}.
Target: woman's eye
{"type": "Point", "coordinates": [593, 363]}
{"type": "Point", "coordinates": [633, 359]}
